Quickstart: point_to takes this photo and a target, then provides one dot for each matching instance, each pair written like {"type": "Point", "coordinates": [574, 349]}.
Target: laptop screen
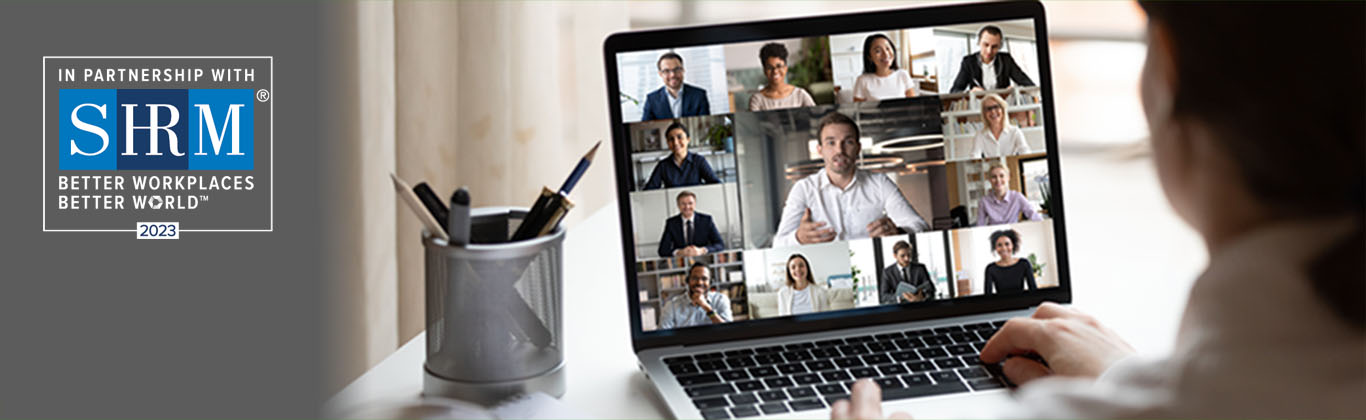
{"type": "Point", "coordinates": [836, 175]}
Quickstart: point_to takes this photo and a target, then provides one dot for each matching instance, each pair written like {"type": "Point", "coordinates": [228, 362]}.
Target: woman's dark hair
{"type": "Point", "coordinates": [677, 125]}
{"type": "Point", "coordinates": [809, 278]}
{"type": "Point", "coordinates": [1007, 233]}
{"type": "Point", "coordinates": [772, 50]}
{"type": "Point", "coordinates": [1298, 145]}
{"type": "Point", "coordinates": [868, 66]}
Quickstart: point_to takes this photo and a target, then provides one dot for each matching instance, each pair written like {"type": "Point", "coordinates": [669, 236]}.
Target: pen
{"type": "Point", "coordinates": [459, 225]}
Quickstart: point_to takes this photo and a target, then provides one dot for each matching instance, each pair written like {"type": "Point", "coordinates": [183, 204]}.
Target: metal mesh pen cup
{"type": "Point", "coordinates": [494, 312]}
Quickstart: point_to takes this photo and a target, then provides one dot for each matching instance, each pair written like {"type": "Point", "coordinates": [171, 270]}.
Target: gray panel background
{"type": "Point", "coordinates": [223, 325]}
{"type": "Point", "coordinates": [225, 209]}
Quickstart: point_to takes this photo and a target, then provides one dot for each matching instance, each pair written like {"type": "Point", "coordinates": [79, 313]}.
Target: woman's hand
{"type": "Point", "coordinates": [865, 402]}
{"type": "Point", "coordinates": [1071, 342]}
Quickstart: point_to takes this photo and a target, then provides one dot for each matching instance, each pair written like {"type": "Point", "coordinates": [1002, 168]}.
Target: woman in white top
{"type": "Point", "coordinates": [777, 93]}
{"type": "Point", "coordinates": [1276, 325]}
{"type": "Point", "coordinates": [881, 78]}
{"type": "Point", "coordinates": [998, 137]}
{"type": "Point", "coordinates": [801, 294]}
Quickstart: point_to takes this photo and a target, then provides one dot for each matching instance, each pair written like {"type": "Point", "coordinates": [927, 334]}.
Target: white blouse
{"type": "Point", "coordinates": [801, 301]}
{"type": "Point", "coordinates": [798, 98]}
{"type": "Point", "coordinates": [1012, 142]}
{"type": "Point", "coordinates": [869, 86]}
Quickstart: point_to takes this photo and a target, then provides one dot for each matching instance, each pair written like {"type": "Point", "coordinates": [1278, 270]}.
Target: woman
{"type": "Point", "coordinates": [801, 294]}
{"type": "Point", "coordinates": [881, 78]}
{"type": "Point", "coordinates": [1003, 205]}
{"type": "Point", "coordinates": [1008, 274]}
{"type": "Point", "coordinates": [777, 93]}
{"type": "Point", "coordinates": [681, 168]}
{"type": "Point", "coordinates": [998, 138]}
{"type": "Point", "coordinates": [1275, 327]}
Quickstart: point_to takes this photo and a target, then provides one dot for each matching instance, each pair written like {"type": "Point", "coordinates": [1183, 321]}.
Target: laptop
{"type": "Point", "coordinates": [806, 202]}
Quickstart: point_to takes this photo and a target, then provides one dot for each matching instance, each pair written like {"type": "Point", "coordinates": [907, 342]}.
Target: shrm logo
{"type": "Point", "coordinates": [156, 129]}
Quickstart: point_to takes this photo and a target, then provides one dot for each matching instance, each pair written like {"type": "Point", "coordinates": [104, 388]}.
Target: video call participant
{"type": "Point", "coordinates": [676, 99]}
{"type": "Point", "coordinates": [801, 294]}
{"type": "Point", "coordinates": [905, 270]}
{"type": "Point", "coordinates": [682, 168]}
{"type": "Point", "coordinates": [988, 68]}
{"type": "Point", "coordinates": [1008, 274]}
{"type": "Point", "coordinates": [699, 306]}
{"type": "Point", "coordinates": [777, 93]}
{"type": "Point", "coordinates": [882, 78]}
{"type": "Point", "coordinates": [841, 202]}
{"type": "Point", "coordinates": [689, 234]}
{"type": "Point", "coordinates": [998, 136]}
{"type": "Point", "coordinates": [1003, 205]}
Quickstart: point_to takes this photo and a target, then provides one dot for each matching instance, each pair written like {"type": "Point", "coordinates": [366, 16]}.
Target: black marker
{"type": "Point", "coordinates": [459, 225]}
{"type": "Point", "coordinates": [432, 202]}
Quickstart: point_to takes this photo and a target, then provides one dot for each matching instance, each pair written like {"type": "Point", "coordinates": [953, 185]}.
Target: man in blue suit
{"type": "Point", "coordinates": [689, 234]}
{"type": "Point", "coordinates": [675, 99]}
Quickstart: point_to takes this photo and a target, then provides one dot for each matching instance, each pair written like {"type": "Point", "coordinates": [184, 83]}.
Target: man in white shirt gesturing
{"type": "Point", "coordinates": [841, 202]}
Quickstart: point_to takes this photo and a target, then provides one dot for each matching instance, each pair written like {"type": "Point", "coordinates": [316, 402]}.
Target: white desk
{"type": "Point", "coordinates": [1132, 264]}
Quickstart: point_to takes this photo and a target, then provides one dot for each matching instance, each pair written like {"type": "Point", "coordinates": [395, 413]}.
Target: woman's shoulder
{"type": "Point", "coordinates": [1023, 262]}
{"type": "Point", "coordinates": [756, 100]}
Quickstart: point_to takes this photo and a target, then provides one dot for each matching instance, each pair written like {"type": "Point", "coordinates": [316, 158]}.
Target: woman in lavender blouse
{"type": "Point", "coordinates": [1002, 205]}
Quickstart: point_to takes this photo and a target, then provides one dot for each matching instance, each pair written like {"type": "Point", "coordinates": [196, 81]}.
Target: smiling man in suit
{"type": "Point", "coordinates": [676, 99]}
{"type": "Point", "coordinates": [689, 234]}
{"type": "Point", "coordinates": [989, 68]}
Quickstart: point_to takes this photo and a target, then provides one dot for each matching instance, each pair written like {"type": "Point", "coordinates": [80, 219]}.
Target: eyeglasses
{"type": "Point", "coordinates": [775, 68]}
{"type": "Point", "coordinates": [675, 70]}
{"type": "Point", "coordinates": [993, 108]}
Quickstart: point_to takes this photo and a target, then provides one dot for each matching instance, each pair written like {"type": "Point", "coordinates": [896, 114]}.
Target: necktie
{"type": "Point", "coordinates": [906, 273]}
{"type": "Point", "coordinates": [687, 234]}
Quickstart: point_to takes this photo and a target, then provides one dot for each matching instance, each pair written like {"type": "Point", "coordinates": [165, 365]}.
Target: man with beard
{"type": "Point", "coordinates": [841, 202]}
{"type": "Point", "coordinates": [676, 99]}
{"type": "Point", "coordinates": [699, 306]}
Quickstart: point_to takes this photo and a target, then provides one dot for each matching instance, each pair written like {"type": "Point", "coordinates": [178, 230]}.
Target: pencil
{"type": "Point", "coordinates": [579, 169]}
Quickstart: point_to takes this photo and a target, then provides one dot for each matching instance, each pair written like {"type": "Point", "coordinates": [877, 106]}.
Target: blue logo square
{"type": "Point", "coordinates": [85, 135]}
{"type": "Point", "coordinates": [152, 129]}
{"type": "Point", "coordinates": [222, 129]}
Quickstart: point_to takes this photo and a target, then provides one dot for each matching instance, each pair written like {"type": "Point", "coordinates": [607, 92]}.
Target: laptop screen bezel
{"type": "Point", "coordinates": [831, 24]}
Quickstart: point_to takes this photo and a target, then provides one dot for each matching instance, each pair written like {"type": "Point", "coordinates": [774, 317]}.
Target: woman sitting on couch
{"type": "Point", "coordinates": [801, 294]}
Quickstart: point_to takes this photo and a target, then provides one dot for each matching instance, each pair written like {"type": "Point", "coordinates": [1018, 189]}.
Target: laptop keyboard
{"type": "Point", "coordinates": [812, 375]}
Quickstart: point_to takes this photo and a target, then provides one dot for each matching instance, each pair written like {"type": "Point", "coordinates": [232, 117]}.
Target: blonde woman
{"type": "Point", "coordinates": [1002, 205]}
{"type": "Point", "coordinates": [801, 294]}
{"type": "Point", "coordinates": [998, 137]}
